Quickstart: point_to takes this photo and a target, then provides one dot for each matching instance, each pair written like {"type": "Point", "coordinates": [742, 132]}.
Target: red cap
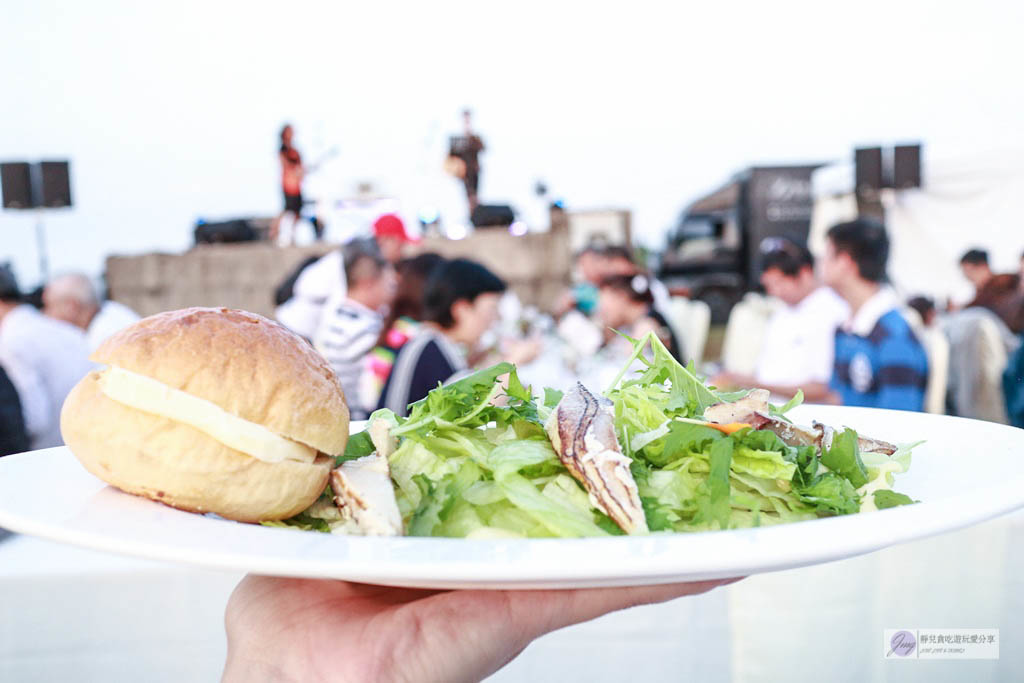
{"type": "Point", "coordinates": [390, 225]}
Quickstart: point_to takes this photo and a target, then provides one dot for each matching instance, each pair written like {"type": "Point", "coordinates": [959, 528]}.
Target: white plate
{"type": "Point", "coordinates": [967, 472]}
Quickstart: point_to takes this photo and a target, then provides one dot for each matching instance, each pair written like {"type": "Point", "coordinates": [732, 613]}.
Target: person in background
{"type": "Point", "coordinates": [13, 437]}
{"type": "Point", "coordinates": [282, 629]}
{"type": "Point", "coordinates": [460, 303]}
{"type": "Point", "coordinates": [44, 358]}
{"type": "Point", "coordinates": [589, 271]}
{"type": "Point", "coordinates": [401, 323]}
{"type": "Point", "coordinates": [73, 299]}
{"type": "Point", "coordinates": [799, 339]}
{"type": "Point", "coordinates": [925, 308]}
{"type": "Point", "coordinates": [879, 362]}
{"type": "Point", "coordinates": [467, 148]}
{"type": "Point", "coordinates": [392, 237]}
{"type": "Point", "coordinates": [626, 304]}
{"type": "Point", "coordinates": [1002, 294]}
{"type": "Point", "coordinates": [351, 328]}
{"type": "Point", "coordinates": [292, 174]}
{"type": "Point", "coordinates": [618, 260]}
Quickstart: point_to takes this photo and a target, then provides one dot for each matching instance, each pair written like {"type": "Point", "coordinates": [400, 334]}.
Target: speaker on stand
{"type": "Point", "coordinates": [40, 186]}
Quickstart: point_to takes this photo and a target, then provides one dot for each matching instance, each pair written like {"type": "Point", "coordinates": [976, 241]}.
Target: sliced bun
{"type": "Point", "coordinates": [173, 463]}
{"type": "Point", "coordinates": [248, 365]}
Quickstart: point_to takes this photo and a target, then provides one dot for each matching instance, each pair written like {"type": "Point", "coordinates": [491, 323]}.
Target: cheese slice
{"type": "Point", "coordinates": [151, 396]}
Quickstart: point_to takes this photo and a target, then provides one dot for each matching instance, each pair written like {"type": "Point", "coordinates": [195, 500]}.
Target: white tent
{"type": "Point", "coordinates": [964, 202]}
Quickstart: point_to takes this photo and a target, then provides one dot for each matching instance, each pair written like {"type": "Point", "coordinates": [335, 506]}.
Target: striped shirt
{"type": "Point", "coordinates": [879, 363]}
{"type": "Point", "coordinates": [424, 361]}
{"type": "Point", "coordinates": [349, 331]}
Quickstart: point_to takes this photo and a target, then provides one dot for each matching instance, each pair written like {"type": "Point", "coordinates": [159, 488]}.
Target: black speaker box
{"type": "Point", "coordinates": [237, 230]}
{"type": "Point", "coordinates": [906, 166]}
{"type": "Point", "coordinates": [492, 216]}
{"type": "Point", "coordinates": [54, 184]}
{"type": "Point", "coordinates": [868, 163]}
{"type": "Point", "coordinates": [16, 182]}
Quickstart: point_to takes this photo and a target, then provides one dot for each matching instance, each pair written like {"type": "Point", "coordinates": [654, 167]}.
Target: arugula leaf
{"type": "Point", "coordinates": [718, 481]}
{"type": "Point", "coordinates": [358, 446]}
{"type": "Point", "coordinates": [464, 402]}
{"type": "Point", "coordinates": [780, 411]}
{"type": "Point", "coordinates": [688, 395]}
{"type": "Point", "coordinates": [552, 397]}
{"type": "Point", "coordinates": [843, 457]}
{"type": "Point", "coordinates": [884, 498]}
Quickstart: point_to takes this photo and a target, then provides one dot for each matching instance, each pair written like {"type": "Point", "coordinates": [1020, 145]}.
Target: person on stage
{"type": "Point", "coordinates": [292, 173]}
{"type": "Point", "coordinates": [466, 148]}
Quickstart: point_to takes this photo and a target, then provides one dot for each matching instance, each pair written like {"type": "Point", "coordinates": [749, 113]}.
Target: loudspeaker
{"type": "Point", "coordinates": [868, 163]}
{"type": "Point", "coordinates": [906, 166]}
{"type": "Point", "coordinates": [54, 184]}
{"type": "Point", "coordinates": [492, 216]}
{"type": "Point", "coordinates": [16, 181]}
{"type": "Point", "coordinates": [237, 230]}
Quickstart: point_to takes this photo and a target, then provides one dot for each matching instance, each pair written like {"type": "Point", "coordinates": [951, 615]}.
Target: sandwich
{"type": "Point", "coordinates": [210, 410]}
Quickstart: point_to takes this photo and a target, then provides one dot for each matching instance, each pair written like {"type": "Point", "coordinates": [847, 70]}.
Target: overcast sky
{"type": "Point", "coordinates": [171, 113]}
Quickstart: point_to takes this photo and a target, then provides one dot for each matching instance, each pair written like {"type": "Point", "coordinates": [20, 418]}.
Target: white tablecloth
{"type": "Point", "coordinates": [71, 614]}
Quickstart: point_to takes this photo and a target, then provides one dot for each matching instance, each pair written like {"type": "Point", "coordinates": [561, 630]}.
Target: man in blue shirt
{"type": "Point", "coordinates": [879, 362]}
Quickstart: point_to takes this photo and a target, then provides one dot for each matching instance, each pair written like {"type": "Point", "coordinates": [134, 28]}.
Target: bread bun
{"type": "Point", "coordinates": [246, 365]}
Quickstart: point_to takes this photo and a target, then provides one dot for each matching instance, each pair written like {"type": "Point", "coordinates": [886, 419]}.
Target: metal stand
{"type": "Point", "coordinates": [44, 262]}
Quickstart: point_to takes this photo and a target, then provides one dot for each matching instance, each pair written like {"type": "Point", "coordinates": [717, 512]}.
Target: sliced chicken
{"type": "Point", "coordinates": [582, 431]}
{"type": "Point", "coordinates": [742, 410]}
{"type": "Point", "coordinates": [363, 491]}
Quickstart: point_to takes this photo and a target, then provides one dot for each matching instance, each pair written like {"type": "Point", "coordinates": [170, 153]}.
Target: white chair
{"type": "Point", "coordinates": [937, 347]}
{"type": "Point", "coordinates": [744, 333]}
{"type": "Point", "coordinates": [691, 322]}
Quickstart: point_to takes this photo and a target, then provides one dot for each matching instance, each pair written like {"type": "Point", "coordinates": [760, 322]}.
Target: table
{"type": "Point", "coordinates": [79, 615]}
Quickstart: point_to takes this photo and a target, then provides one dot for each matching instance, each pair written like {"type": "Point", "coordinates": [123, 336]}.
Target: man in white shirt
{"type": "Point", "coordinates": [799, 340]}
{"type": "Point", "coordinates": [44, 358]}
{"type": "Point", "coordinates": [351, 328]}
{"type": "Point", "coordinates": [73, 299]}
{"type": "Point", "coordinates": [319, 284]}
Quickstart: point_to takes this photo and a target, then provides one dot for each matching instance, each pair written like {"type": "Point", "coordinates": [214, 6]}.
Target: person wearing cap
{"type": "Point", "coordinates": [44, 359]}
{"type": "Point", "coordinates": [392, 237]}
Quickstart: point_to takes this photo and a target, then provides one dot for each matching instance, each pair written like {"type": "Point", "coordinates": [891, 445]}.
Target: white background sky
{"type": "Point", "coordinates": [171, 113]}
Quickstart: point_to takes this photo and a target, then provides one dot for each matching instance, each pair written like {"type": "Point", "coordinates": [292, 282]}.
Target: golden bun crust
{"type": "Point", "coordinates": [249, 366]}
{"type": "Point", "coordinates": [174, 463]}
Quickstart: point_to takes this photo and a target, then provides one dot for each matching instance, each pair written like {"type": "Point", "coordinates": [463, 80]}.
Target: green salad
{"type": "Point", "coordinates": [659, 451]}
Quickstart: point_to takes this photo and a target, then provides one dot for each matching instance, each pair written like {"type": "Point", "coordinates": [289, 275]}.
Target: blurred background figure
{"type": "Point", "coordinates": [73, 299]}
{"type": "Point", "coordinates": [293, 172]}
{"type": "Point", "coordinates": [588, 271]}
{"type": "Point", "coordinates": [798, 344]}
{"type": "Point", "coordinates": [392, 237]}
{"type": "Point", "coordinates": [879, 362]}
{"type": "Point", "coordinates": [464, 158]}
{"type": "Point", "coordinates": [13, 437]}
{"type": "Point", "coordinates": [44, 359]}
{"type": "Point", "coordinates": [626, 304]}
{"type": "Point", "coordinates": [1000, 293]}
{"type": "Point", "coordinates": [460, 304]}
{"type": "Point", "coordinates": [351, 328]}
{"type": "Point", "coordinates": [401, 323]}
{"type": "Point", "coordinates": [925, 308]}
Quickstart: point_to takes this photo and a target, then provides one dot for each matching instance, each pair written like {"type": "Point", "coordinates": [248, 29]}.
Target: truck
{"type": "Point", "coordinates": [712, 250]}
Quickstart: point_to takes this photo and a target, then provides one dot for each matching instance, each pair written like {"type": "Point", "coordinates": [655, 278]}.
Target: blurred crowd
{"type": "Point", "coordinates": [394, 321]}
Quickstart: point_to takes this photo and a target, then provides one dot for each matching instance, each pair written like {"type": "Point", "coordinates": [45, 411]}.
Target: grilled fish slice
{"type": "Point", "coordinates": [582, 432]}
